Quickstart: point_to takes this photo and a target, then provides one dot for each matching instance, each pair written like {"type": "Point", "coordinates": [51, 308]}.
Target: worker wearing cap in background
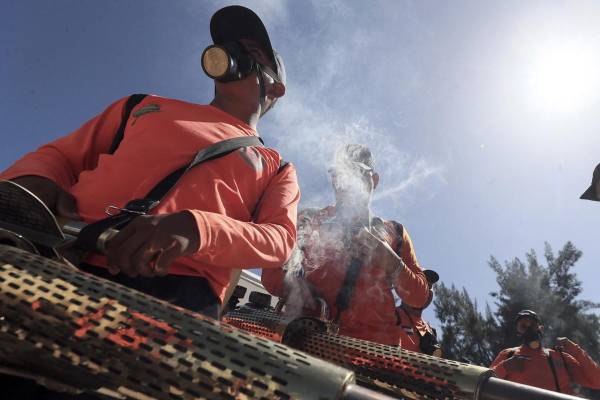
{"type": "Point", "coordinates": [418, 335]}
{"type": "Point", "coordinates": [245, 199]}
{"type": "Point", "coordinates": [351, 258]}
{"type": "Point", "coordinates": [551, 369]}
{"type": "Point", "coordinates": [593, 192]}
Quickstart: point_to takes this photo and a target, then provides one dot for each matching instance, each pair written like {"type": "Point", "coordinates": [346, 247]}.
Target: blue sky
{"type": "Point", "coordinates": [481, 115]}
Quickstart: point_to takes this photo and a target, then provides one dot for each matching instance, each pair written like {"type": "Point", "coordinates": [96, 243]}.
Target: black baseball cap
{"type": "Point", "coordinates": [590, 193]}
{"type": "Point", "coordinates": [528, 314]}
{"type": "Point", "coordinates": [233, 23]}
{"type": "Point", "coordinates": [431, 276]}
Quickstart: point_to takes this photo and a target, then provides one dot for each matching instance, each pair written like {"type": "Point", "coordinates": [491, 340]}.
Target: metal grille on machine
{"type": "Point", "coordinates": [76, 332]}
{"type": "Point", "coordinates": [387, 369]}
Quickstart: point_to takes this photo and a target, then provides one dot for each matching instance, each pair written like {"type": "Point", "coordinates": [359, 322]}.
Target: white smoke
{"type": "Point", "coordinates": [328, 67]}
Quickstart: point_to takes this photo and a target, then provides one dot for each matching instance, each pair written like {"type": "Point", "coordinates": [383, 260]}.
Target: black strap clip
{"type": "Point", "coordinates": [135, 207]}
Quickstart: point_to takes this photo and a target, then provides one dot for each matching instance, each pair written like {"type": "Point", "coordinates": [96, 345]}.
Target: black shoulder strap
{"type": "Point", "coordinates": [212, 152]}
{"type": "Point", "coordinates": [344, 296]}
{"type": "Point", "coordinates": [132, 101]}
{"type": "Point", "coordinates": [562, 357]}
{"type": "Point", "coordinates": [399, 235]}
{"type": "Point", "coordinates": [412, 323]}
{"type": "Point", "coordinates": [282, 165]}
{"type": "Point", "coordinates": [342, 301]}
{"type": "Point", "coordinates": [553, 369]}
{"type": "Point", "coordinates": [510, 353]}
{"type": "Point", "coordinates": [88, 237]}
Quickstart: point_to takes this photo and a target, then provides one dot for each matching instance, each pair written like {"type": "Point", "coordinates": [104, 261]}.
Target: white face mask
{"type": "Point", "coordinates": [352, 182]}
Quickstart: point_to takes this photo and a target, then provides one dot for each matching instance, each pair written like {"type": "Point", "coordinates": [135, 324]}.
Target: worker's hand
{"type": "Point", "coordinates": [59, 201]}
{"type": "Point", "coordinates": [564, 344]}
{"type": "Point", "coordinates": [515, 363]}
{"type": "Point", "coordinates": [376, 252]}
{"type": "Point", "coordinates": [149, 244]}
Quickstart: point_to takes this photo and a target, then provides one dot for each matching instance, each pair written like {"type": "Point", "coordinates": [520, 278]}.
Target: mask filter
{"type": "Point", "coordinates": [531, 335]}
{"type": "Point", "coordinates": [228, 62]}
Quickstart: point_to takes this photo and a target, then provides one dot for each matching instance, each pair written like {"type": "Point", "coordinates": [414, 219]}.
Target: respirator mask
{"type": "Point", "coordinates": [228, 62]}
{"type": "Point", "coordinates": [531, 334]}
{"type": "Point", "coordinates": [231, 62]}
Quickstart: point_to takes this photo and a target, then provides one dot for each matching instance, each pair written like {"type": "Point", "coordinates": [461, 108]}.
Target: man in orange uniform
{"type": "Point", "coordinates": [235, 211]}
{"type": "Point", "coordinates": [534, 365]}
{"type": "Point", "coordinates": [418, 335]}
{"type": "Point", "coordinates": [593, 192]}
{"type": "Point", "coordinates": [351, 258]}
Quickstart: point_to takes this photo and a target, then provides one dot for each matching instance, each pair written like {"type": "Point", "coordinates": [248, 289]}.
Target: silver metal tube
{"type": "Point", "coordinates": [355, 392]}
{"type": "Point", "coordinates": [499, 389]}
{"type": "Point", "coordinates": [73, 228]}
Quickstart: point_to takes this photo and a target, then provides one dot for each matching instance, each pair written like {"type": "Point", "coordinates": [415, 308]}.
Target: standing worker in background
{"type": "Point", "coordinates": [418, 335]}
{"type": "Point", "coordinates": [534, 365]}
{"type": "Point", "coordinates": [352, 259]}
{"type": "Point", "coordinates": [593, 192]}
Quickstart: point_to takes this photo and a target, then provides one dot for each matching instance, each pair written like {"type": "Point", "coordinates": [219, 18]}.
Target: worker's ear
{"type": "Point", "coordinates": [276, 90]}
{"type": "Point", "coordinates": [375, 180]}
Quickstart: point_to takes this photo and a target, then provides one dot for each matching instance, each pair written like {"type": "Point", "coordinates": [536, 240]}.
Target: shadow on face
{"type": "Point", "coordinates": [526, 323]}
{"type": "Point", "coordinates": [274, 88]}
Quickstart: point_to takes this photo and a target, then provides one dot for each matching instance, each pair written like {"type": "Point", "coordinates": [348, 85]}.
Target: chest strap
{"type": "Point", "coordinates": [344, 296]}
{"type": "Point", "coordinates": [88, 237]}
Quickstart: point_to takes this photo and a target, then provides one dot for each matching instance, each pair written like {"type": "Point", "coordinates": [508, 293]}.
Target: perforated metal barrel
{"type": "Point", "coordinates": [395, 370]}
{"type": "Point", "coordinates": [77, 332]}
{"type": "Point", "coordinates": [388, 369]}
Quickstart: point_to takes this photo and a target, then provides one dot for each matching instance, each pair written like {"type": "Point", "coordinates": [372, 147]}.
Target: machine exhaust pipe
{"type": "Point", "coordinates": [386, 369]}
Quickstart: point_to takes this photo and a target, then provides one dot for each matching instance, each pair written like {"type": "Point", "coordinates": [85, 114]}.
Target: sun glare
{"type": "Point", "coordinates": [563, 77]}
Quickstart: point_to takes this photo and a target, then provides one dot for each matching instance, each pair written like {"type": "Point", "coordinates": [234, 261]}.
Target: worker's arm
{"type": "Point", "coordinates": [50, 171]}
{"type": "Point", "coordinates": [498, 365]}
{"type": "Point", "coordinates": [267, 242]}
{"type": "Point", "coordinates": [580, 366]}
{"type": "Point", "coordinates": [409, 280]}
{"type": "Point", "coordinates": [62, 160]}
{"type": "Point", "coordinates": [273, 279]}
{"type": "Point", "coordinates": [149, 244]}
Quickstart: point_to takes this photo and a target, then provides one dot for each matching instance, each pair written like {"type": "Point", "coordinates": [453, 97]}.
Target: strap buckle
{"type": "Point", "coordinates": [135, 207]}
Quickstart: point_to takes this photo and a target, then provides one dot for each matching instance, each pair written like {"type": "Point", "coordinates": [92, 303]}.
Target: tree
{"type": "Point", "coordinates": [466, 333]}
{"type": "Point", "coordinates": [552, 290]}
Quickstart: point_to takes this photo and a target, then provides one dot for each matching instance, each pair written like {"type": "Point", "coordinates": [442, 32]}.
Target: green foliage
{"type": "Point", "coordinates": [472, 344]}
{"type": "Point", "coordinates": [551, 290]}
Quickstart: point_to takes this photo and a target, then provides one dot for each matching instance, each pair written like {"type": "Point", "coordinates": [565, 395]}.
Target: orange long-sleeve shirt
{"type": "Point", "coordinates": [573, 366]}
{"type": "Point", "coordinates": [222, 194]}
{"type": "Point", "coordinates": [371, 313]}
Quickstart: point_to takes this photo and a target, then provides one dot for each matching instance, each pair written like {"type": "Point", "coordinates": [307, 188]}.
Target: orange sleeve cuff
{"type": "Point", "coordinates": [498, 365]}
{"type": "Point", "coordinates": [203, 231]}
